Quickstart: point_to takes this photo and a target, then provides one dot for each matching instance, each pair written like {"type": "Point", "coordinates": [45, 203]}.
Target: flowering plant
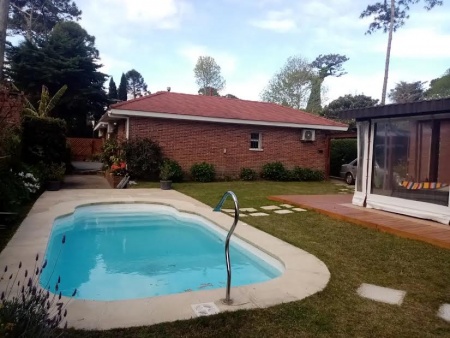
{"type": "Point", "coordinates": [30, 182]}
{"type": "Point", "coordinates": [119, 169]}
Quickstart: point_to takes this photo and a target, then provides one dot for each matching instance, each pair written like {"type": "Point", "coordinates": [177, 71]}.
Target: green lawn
{"type": "Point", "coordinates": [353, 255]}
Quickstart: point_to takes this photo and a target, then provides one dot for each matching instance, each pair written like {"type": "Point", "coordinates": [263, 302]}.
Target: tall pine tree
{"type": "Point", "coordinates": [68, 57]}
{"type": "Point", "coordinates": [122, 94]}
{"type": "Point", "coordinates": [112, 92]}
{"type": "Point", "coordinates": [135, 83]}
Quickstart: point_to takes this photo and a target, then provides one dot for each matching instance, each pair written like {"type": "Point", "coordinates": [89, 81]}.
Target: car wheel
{"type": "Point", "coordinates": [349, 178]}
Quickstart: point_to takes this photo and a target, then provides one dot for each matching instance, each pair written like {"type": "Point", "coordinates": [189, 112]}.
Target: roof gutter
{"type": "Point", "coordinates": [118, 113]}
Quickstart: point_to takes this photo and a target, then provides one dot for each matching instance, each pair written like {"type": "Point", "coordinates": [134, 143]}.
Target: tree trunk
{"type": "Point", "coordinates": [388, 53]}
{"type": "Point", "coordinates": [315, 102]}
{"type": "Point", "coordinates": [4, 9]}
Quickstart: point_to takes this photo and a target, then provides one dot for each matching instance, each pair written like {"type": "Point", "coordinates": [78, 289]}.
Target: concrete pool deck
{"type": "Point", "coordinates": [304, 274]}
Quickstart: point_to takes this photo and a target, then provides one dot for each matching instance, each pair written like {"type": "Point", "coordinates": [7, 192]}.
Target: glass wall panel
{"type": "Point", "coordinates": [410, 160]}
{"type": "Point", "coordinates": [361, 146]}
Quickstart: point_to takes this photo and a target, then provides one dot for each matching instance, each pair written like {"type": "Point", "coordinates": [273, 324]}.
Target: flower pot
{"type": "Point", "coordinates": [166, 185]}
{"type": "Point", "coordinates": [53, 185]}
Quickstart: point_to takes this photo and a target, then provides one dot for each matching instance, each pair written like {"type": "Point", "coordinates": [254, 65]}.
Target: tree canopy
{"type": "Point", "coordinates": [208, 91]}
{"type": "Point", "coordinates": [68, 57]}
{"type": "Point", "coordinates": [112, 90]}
{"type": "Point", "coordinates": [207, 74]}
{"type": "Point", "coordinates": [291, 85]}
{"type": "Point", "coordinates": [122, 92]}
{"type": "Point", "coordinates": [404, 92]}
{"type": "Point", "coordinates": [347, 102]}
{"type": "Point", "coordinates": [34, 19]}
{"type": "Point", "coordinates": [324, 66]}
{"type": "Point", "coordinates": [440, 87]}
{"type": "Point", "coordinates": [135, 83]}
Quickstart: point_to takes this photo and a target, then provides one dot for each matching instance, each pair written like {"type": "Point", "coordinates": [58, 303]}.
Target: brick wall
{"type": "Point", "coordinates": [11, 105]}
{"type": "Point", "coordinates": [227, 145]}
{"type": "Point", "coordinates": [82, 149]}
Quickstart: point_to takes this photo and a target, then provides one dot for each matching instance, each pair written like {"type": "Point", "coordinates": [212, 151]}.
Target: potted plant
{"type": "Point", "coordinates": [166, 173]}
{"type": "Point", "coordinates": [55, 176]}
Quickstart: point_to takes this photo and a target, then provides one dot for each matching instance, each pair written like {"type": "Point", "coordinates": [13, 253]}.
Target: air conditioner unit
{"type": "Point", "coordinates": [308, 135]}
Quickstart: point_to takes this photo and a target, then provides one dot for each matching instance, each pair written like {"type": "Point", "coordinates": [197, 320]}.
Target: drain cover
{"type": "Point", "coordinates": [205, 309]}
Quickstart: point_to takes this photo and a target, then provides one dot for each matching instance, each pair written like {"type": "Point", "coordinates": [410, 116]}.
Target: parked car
{"type": "Point", "coordinates": [348, 171]}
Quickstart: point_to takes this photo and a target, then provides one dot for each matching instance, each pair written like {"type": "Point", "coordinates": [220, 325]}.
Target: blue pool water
{"type": "Point", "coordinates": [127, 251]}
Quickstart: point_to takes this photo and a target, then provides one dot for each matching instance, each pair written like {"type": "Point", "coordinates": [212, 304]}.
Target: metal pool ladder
{"type": "Point", "coordinates": [227, 299]}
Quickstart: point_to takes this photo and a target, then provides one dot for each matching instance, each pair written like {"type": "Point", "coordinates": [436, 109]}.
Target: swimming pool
{"type": "Point", "coordinates": [138, 250]}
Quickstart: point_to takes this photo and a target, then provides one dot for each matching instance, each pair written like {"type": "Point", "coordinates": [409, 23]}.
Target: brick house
{"type": "Point", "coordinates": [229, 133]}
{"type": "Point", "coordinates": [404, 158]}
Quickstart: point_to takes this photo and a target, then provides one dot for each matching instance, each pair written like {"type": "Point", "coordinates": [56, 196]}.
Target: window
{"type": "Point", "coordinates": [255, 141]}
{"type": "Point", "coordinates": [410, 160]}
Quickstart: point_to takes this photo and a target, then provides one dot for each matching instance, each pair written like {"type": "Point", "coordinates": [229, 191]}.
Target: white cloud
{"type": "Point", "coordinates": [418, 43]}
{"type": "Point", "coordinates": [167, 14]}
{"type": "Point", "coordinates": [248, 89]}
{"type": "Point", "coordinates": [278, 21]}
{"type": "Point", "coordinates": [370, 85]}
{"type": "Point", "coordinates": [111, 64]}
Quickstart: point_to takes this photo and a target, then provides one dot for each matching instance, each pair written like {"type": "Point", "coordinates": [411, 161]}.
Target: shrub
{"type": "Point", "coordinates": [203, 172]}
{"type": "Point", "coordinates": [143, 158]}
{"type": "Point", "coordinates": [110, 149]}
{"type": "Point", "coordinates": [248, 174]}
{"type": "Point", "coordinates": [13, 191]}
{"type": "Point", "coordinates": [306, 174]}
{"type": "Point", "coordinates": [43, 140]}
{"type": "Point", "coordinates": [341, 152]}
{"type": "Point", "coordinates": [170, 170]}
{"type": "Point", "coordinates": [275, 171]}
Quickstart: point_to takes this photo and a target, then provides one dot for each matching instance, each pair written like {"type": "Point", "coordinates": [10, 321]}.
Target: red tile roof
{"type": "Point", "coordinates": [221, 108]}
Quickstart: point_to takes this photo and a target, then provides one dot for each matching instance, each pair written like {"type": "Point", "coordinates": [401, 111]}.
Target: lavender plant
{"type": "Point", "coordinates": [26, 309]}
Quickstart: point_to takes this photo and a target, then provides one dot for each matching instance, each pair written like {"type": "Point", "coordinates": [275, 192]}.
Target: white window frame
{"type": "Point", "coordinates": [259, 140]}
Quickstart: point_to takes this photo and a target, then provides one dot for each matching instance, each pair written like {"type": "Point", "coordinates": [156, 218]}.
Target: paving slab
{"type": "Point", "coordinates": [227, 210]}
{"type": "Point", "coordinates": [258, 214]}
{"type": "Point", "coordinates": [283, 212]}
{"type": "Point", "coordinates": [444, 312]}
{"type": "Point", "coordinates": [248, 210]}
{"type": "Point", "coordinates": [286, 206]}
{"type": "Point", "coordinates": [381, 294]}
{"type": "Point", "coordinates": [205, 309]}
{"type": "Point", "coordinates": [299, 209]}
{"type": "Point", "coordinates": [270, 207]}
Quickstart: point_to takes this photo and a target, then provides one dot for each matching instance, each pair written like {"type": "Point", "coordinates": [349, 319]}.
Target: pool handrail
{"type": "Point", "coordinates": [227, 299]}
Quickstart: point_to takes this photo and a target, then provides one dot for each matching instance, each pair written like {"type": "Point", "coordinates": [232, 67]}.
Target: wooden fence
{"type": "Point", "coordinates": [83, 149]}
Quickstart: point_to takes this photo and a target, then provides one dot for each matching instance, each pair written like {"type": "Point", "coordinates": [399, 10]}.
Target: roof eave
{"type": "Point", "coordinates": [129, 113]}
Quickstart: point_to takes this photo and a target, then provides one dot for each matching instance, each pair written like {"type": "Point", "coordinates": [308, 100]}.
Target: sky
{"type": "Point", "coordinates": [251, 40]}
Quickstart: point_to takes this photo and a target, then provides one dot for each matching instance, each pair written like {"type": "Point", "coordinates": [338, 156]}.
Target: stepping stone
{"type": "Point", "coordinates": [286, 206]}
{"type": "Point", "coordinates": [444, 312]}
{"type": "Point", "coordinates": [381, 294]}
{"type": "Point", "coordinates": [205, 309]}
{"type": "Point", "coordinates": [242, 215]}
{"type": "Point", "coordinates": [299, 209]}
{"type": "Point", "coordinates": [283, 212]}
{"type": "Point", "coordinates": [248, 210]}
{"type": "Point", "coordinates": [270, 207]}
{"type": "Point", "coordinates": [257, 214]}
{"type": "Point", "coordinates": [228, 210]}
{"type": "Point", "coordinates": [343, 190]}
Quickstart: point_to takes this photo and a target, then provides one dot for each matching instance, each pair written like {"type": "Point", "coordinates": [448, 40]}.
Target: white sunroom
{"type": "Point", "coordinates": [404, 158]}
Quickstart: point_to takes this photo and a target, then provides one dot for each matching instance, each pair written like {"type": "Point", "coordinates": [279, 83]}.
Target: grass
{"type": "Point", "coordinates": [353, 254]}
